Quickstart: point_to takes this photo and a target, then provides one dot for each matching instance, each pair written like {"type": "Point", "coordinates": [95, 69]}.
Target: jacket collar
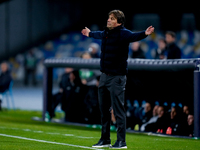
{"type": "Point", "coordinates": [115, 29]}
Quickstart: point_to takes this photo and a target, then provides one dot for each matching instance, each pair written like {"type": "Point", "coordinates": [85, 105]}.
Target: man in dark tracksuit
{"type": "Point", "coordinates": [5, 78]}
{"type": "Point", "coordinates": [114, 54]}
{"type": "Point", "coordinates": [172, 51]}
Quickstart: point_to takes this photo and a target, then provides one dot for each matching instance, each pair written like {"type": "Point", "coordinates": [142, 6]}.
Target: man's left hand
{"type": "Point", "coordinates": [149, 30]}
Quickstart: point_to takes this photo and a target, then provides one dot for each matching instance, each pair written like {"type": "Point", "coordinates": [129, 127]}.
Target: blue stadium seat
{"type": "Point", "coordinates": [165, 104]}
{"type": "Point", "coordinates": [173, 104]}
{"type": "Point", "coordinates": [143, 103]}
{"type": "Point", "coordinates": [180, 105]}
{"type": "Point", "coordinates": [156, 103]}
{"type": "Point", "coordinates": [136, 104]}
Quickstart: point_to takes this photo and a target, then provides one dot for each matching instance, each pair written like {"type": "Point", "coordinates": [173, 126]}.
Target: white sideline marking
{"type": "Point", "coordinates": [26, 129]}
{"type": "Point", "coordinates": [53, 133]}
{"type": "Point", "coordinates": [83, 137]}
{"type": "Point", "coordinates": [68, 134]}
{"type": "Point", "coordinates": [43, 141]}
{"type": "Point", "coordinates": [38, 131]}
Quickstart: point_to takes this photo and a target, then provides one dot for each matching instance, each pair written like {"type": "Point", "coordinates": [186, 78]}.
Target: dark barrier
{"type": "Point", "coordinates": [175, 80]}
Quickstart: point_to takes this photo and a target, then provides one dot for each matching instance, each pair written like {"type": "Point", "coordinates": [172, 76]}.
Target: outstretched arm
{"type": "Point", "coordinates": [94, 34]}
{"type": "Point", "coordinates": [86, 31]}
{"type": "Point", "coordinates": [137, 36]}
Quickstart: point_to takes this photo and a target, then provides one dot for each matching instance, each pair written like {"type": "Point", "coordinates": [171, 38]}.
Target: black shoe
{"type": "Point", "coordinates": [119, 145]}
{"type": "Point", "coordinates": [102, 143]}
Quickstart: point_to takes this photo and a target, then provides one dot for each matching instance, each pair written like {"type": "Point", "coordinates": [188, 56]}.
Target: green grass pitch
{"type": "Point", "coordinates": [19, 132]}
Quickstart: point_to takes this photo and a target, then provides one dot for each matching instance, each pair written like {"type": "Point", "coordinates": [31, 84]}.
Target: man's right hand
{"type": "Point", "coordinates": [86, 31]}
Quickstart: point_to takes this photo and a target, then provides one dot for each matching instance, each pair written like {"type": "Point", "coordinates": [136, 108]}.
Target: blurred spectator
{"type": "Point", "coordinates": [143, 115]}
{"type": "Point", "coordinates": [70, 95]}
{"type": "Point", "coordinates": [160, 51]}
{"type": "Point", "coordinates": [186, 110]}
{"type": "Point", "coordinates": [30, 67]}
{"type": "Point", "coordinates": [73, 98]}
{"type": "Point", "coordinates": [176, 125]}
{"type": "Point", "coordinates": [173, 51]}
{"type": "Point", "coordinates": [148, 112]}
{"type": "Point", "coordinates": [160, 126]}
{"type": "Point", "coordinates": [86, 55]}
{"type": "Point", "coordinates": [5, 79]}
{"type": "Point", "coordinates": [153, 119]}
{"type": "Point", "coordinates": [94, 50]}
{"type": "Point", "coordinates": [88, 77]}
{"type": "Point", "coordinates": [190, 126]}
{"type": "Point", "coordinates": [137, 52]}
{"type": "Point", "coordinates": [92, 112]}
{"type": "Point", "coordinates": [57, 98]}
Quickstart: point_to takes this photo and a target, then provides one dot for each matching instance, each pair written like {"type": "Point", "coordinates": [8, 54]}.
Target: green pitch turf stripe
{"type": "Point", "coordinates": [42, 141]}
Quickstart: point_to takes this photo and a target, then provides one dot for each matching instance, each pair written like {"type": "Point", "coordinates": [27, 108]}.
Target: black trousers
{"type": "Point", "coordinates": [111, 94]}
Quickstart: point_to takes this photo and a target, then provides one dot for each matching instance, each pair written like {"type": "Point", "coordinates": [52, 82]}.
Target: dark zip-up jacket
{"type": "Point", "coordinates": [115, 47]}
{"type": "Point", "coordinates": [5, 79]}
{"type": "Point", "coordinates": [173, 51]}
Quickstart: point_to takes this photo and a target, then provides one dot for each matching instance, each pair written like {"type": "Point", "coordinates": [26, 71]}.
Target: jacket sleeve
{"type": "Point", "coordinates": [134, 36]}
{"type": "Point", "coordinates": [96, 34]}
{"type": "Point", "coordinates": [5, 80]}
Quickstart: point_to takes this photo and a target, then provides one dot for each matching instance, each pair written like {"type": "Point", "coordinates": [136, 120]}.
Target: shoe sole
{"type": "Point", "coordinates": [106, 145]}
{"type": "Point", "coordinates": [124, 147]}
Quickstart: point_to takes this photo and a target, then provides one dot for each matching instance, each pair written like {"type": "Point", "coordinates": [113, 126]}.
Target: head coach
{"type": "Point", "coordinates": [114, 54]}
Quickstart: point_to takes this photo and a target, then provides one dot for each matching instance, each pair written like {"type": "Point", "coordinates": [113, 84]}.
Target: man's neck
{"type": "Point", "coordinates": [111, 28]}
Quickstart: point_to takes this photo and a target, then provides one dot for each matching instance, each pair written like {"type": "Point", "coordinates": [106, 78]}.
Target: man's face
{"type": "Point", "coordinates": [112, 22]}
{"type": "Point", "coordinates": [4, 67]}
{"type": "Point", "coordinates": [186, 110]}
{"type": "Point", "coordinates": [147, 107]}
{"type": "Point", "coordinates": [155, 110]}
{"type": "Point", "coordinates": [173, 113]}
{"type": "Point", "coordinates": [169, 39]}
{"type": "Point", "coordinates": [161, 44]}
{"type": "Point", "coordinates": [135, 46]}
{"type": "Point", "coordinates": [160, 111]}
{"type": "Point", "coordinates": [72, 77]}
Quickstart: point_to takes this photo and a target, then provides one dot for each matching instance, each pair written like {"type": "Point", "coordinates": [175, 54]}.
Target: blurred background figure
{"type": "Point", "coordinates": [94, 50]}
{"type": "Point", "coordinates": [73, 98]}
{"type": "Point", "coordinates": [160, 51]}
{"type": "Point", "coordinates": [186, 110]}
{"type": "Point", "coordinates": [160, 126]}
{"type": "Point", "coordinates": [142, 115]}
{"type": "Point", "coordinates": [173, 51]}
{"type": "Point", "coordinates": [88, 76]}
{"type": "Point", "coordinates": [190, 127]}
{"type": "Point", "coordinates": [153, 119]}
{"type": "Point", "coordinates": [5, 79]}
{"type": "Point", "coordinates": [175, 126]}
{"type": "Point", "coordinates": [92, 112]}
{"type": "Point", "coordinates": [136, 50]}
{"type": "Point", "coordinates": [30, 62]}
{"type": "Point", "coordinates": [57, 98]}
